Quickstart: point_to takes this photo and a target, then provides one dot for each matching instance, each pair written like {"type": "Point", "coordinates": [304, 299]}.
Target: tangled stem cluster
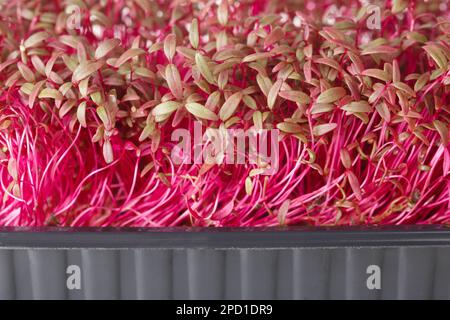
{"type": "Point", "coordinates": [92, 90]}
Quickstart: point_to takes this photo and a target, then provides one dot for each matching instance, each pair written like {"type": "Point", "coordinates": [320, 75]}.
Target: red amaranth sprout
{"type": "Point", "coordinates": [91, 92]}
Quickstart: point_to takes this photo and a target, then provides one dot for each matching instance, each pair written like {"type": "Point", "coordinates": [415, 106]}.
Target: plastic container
{"type": "Point", "coordinates": [272, 263]}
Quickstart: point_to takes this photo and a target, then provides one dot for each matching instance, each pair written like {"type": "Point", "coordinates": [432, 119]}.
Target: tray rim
{"type": "Point", "coordinates": [224, 238]}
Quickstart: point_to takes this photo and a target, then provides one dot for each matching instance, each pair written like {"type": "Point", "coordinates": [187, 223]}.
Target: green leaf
{"type": "Point", "coordinates": [331, 95]}
{"type": "Point", "coordinates": [203, 67]}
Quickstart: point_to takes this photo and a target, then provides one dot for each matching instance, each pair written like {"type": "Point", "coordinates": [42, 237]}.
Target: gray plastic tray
{"type": "Point", "coordinates": [273, 263]}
